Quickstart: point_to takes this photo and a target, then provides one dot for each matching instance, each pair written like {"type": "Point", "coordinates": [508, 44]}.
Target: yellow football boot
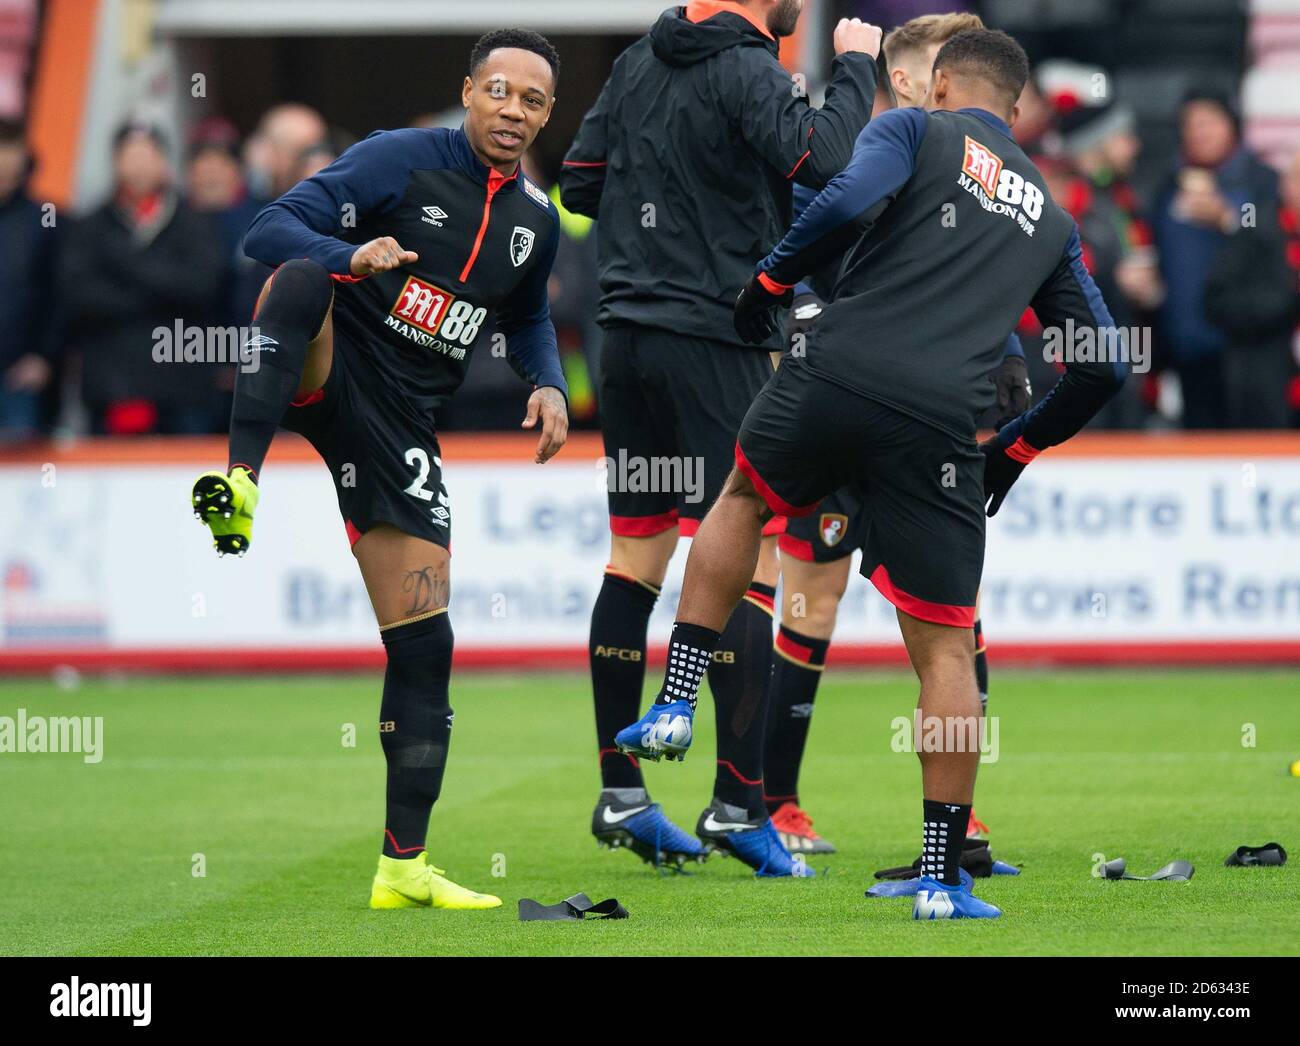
{"type": "Point", "coordinates": [417, 884]}
{"type": "Point", "coordinates": [226, 504]}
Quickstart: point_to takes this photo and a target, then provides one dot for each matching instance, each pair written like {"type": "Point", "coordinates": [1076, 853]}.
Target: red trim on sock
{"type": "Point", "coordinates": [938, 613]}
{"type": "Point", "coordinates": [793, 649]}
{"type": "Point", "coordinates": [354, 535]}
{"type": "Point", "coordinates": [761, 597]}
{"type": "Point", "coordinates": [614, 751]}
{"type": "Point", "coordinates": [402, 850]}
{"type": "Point", "coordinates": [738, 775]}
{"type": "Point", "coordinates": [240, 465]}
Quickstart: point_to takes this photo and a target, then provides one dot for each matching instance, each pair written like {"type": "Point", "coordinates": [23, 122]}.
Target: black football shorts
{"type": "Point", "coordinates": [922, 489]}
{"type": "Point", "coordinates": [670, 408]}
{"type": "Point", "coordinates": [836, 530]}
{"type": "Point", "coordinates": [382, 454]}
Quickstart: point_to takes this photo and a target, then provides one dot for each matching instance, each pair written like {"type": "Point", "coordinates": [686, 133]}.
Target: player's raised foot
{"type": "Point", "coordinates": [795, 828]}
{"type": "Point", "coordinates": [415, 883]}
{"type": "Point", "coordinates": [626, 818]}
{"type": "Point", "coordinates": [729, 830]}
{"type": "Point", "coordinates": [936, 900]}
{"type": "Point", "coordinates": [975, 828]}
{"type": "Point", "coordinates": [664, 731]}
{"type": "Point", "coordinates": [226, 503]}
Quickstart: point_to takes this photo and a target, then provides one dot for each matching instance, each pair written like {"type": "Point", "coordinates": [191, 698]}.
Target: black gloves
{"type": "Point", "coordinates": [1000, 472]}
{"type": "Point", "coordinates": [1013, 390]}
{"type": "Point", "coordinates": [755, 316]}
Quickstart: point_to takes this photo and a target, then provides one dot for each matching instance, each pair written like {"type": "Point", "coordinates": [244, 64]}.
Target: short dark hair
{"type": "Point", "coordinates": [520, 39]}
{"type": "Point", "coordinates": [989, 54]}
{"type": "Point", "coordinates": [12, 133]}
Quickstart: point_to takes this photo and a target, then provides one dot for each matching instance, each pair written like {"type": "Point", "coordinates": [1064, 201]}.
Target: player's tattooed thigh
{"type": "Point", "coordinates": [425, 590]}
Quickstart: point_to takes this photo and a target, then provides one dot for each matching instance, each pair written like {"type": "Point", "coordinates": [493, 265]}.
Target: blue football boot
{"type": "Point", "coordinates": [729, 830]}
{"type": "Point", "coordinates": [626, 818]}
{"type": "Point", "coordinates": [936, 900]}
{"type": "Point", "coordinates": [908, 887]}
{"type": "Point", "coordinates": [665, 730]}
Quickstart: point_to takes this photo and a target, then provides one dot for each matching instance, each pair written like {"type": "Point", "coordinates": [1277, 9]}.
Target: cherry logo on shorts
{"type": "Point", "coordinates": [832, 526]}
{"type": "Point", "coordinates": [982, 165]}
{"type": "Point", "coordinates": [422, 305]}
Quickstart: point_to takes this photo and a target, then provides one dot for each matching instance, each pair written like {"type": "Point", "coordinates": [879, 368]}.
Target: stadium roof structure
{"type": "Point", "coordinates": [384, 17]}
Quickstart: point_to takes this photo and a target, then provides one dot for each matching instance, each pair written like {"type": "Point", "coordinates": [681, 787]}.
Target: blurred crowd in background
{"type": "Point", "coordinates": [80, 295]}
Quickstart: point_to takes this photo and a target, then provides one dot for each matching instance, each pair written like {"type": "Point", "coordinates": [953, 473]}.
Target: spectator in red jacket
{"type": "Point", "coordinates": [142, 263]}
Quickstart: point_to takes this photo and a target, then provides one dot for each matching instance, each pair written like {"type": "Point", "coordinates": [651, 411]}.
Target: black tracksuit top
{"type": "Point", "coordinates": [688, 160]}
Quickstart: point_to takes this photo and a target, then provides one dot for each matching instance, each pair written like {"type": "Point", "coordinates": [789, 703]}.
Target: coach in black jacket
{"type": "Point", "coordinates": [688, 160]}
{"type": "Point", "coordinates": [688, 156]}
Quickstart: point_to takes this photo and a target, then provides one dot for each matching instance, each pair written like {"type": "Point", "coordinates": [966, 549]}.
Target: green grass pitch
{"type": "Point", "coordinates": [252, 773]}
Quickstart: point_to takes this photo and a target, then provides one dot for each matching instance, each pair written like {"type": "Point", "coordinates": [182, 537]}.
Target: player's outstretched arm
{"type": "Point", "coordinates": [1067, 299]}
{"type": "Point", "coordinates": [883, 160]}
{"type": "Point", "coordinates": [307, 221]}
{"type": "Point", "coordinates": [525, 320]}
{"type": "Point", "coordinates": [809, 146]}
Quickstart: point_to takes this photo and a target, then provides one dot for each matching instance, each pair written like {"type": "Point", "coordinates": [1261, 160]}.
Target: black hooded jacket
{"type": "Point", "coordinates": [688, 157]}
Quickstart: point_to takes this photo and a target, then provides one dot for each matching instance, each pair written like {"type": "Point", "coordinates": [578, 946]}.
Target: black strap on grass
{"type": "Point", "coordinates": [1173, 872]}
{"type": "Point", "coordinates": [1249, 856]}
{"type": "Point", "coordinates": [579, 906]}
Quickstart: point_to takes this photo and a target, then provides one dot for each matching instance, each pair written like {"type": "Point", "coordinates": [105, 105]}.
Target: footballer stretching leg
{"type": "Point", "coordinates": [287, 358]}
{"type": "Point", "coordinates": [365, 330]}
{"type": "Point", "coordinates": [409, 581]}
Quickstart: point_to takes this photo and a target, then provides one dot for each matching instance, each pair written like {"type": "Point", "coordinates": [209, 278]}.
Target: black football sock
{"type": "Point", "coordinates": [739, 677]}
{"type": "Point", "coordinates": [689, 650]}
{"type": "Point", "coordinates": [414, 727]}
{"type": "Point", "coordinates": [289, 319]}
{"type": "Point", "coordinates": [981, 665]}
{"type": "Point", "coordinates": [616, 649]}
{"type": "Point", "coordinates": [943, 835]}
{"type": "Point", "coordinates": [797, 664]}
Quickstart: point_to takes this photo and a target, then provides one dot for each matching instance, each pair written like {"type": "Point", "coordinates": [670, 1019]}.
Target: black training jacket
{"type": "Point", "coordinates": [688, 157]}
{"type": "Point", "coordinates": [949, 235]}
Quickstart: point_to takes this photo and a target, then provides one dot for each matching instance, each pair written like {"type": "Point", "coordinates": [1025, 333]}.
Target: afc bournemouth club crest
{"type": "Point", "coordinates": [832, 527]}
{"type": "Point", "coordinates": [521, 245]}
